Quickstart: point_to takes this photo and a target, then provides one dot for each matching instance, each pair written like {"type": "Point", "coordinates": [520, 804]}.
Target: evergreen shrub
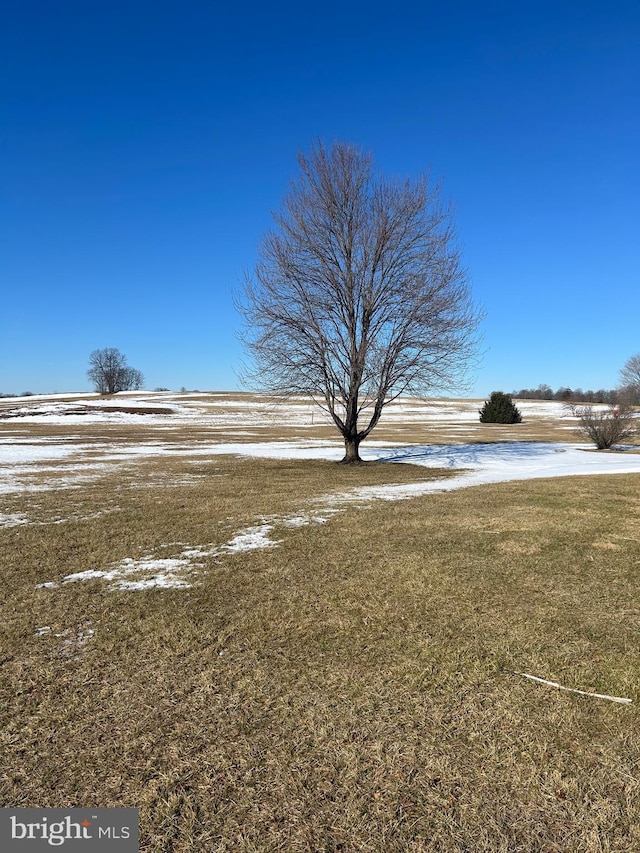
{"type": "Point", "coordinates": [499, 409]}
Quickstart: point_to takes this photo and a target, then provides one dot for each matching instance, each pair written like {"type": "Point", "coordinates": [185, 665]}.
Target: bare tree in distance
{"type": "Point", "coordinates": [359, 294]}
{"type": "Point", "coordinates": [606, 427]}
{"type": "Point", "coordinates": [630, 380]}
{"type": "Point", "coordinates": [110, 372]}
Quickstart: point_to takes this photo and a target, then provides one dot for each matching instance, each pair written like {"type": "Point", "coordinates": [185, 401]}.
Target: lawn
{"type": "Point", "coordinates": [354, 686]}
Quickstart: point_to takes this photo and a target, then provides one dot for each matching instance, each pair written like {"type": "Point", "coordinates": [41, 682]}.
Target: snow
{"type": "Point", "coordinates": [70, 461]}
{"type": "Point", "coordinates": [479, 464]}
{"type": "Point", "coordinates": [168, 572]}
{"type": "Point", "coordinates": [72, 641]}
{"type": "Point", "coordinates": [207, 413]}
{"type": "Point", "coordinates": [249, 540]}
{"type": "Point", "coordinates": [26, 453]}
{"type": "Point", "coordinates": [494, 463]}
{"type": "Point", "coordinates": [11, 519]}
{"type": "Point", "coordinates": [163, 573]}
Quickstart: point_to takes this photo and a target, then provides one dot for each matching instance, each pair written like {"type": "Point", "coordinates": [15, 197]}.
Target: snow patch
{"type": "Point", "coordinates": [72, 640]}
{"type": "Point", "coordinates": [249, 540]}
{"type": "Point", "coordinates": [168, 572]}
{"type": "Point", "coordinates": [12, 519]}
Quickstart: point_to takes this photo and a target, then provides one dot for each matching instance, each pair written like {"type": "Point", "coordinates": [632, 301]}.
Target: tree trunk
{"type": "Point", "coordinates": [351, 454]}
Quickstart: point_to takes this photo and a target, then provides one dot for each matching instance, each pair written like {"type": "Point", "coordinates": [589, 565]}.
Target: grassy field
{"type": "Point", "coordinates": [356, 688]}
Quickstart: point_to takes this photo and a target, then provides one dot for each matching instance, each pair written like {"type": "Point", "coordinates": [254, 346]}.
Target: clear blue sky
{"type": "Point", "coordinates": [144, 145]}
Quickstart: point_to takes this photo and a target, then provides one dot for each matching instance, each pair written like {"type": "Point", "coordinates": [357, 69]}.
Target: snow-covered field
{"type": "Point", "coordinates": [23, 454]}
{"type": "Point", "coordinates": [32, 460]}
{"type": "Point", "coordinates": [235, 410]}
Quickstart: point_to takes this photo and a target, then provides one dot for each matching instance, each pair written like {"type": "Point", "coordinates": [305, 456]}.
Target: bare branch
{"type": "Point", "coordinates": [359, 293]}
{"type": "Point", "coordinates": [630, 380]}
{"type": "Point", "coordinates": [606, 427]}
{"type": "Point", "coordinates": [110, 373]}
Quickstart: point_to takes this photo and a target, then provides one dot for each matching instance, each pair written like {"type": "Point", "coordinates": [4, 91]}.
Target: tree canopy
{"type": "Point", "coordinates": [630, 379]}
{"type": "Point", "coordinates": [110, 373]}
{"type": "Point", "coordinates": [359, 293]}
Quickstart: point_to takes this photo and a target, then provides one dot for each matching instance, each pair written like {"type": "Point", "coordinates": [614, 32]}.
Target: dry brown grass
{"type": "Point", "coordinates": [353, 689]}
{"type": "Point", "coordinates": [272, 424]}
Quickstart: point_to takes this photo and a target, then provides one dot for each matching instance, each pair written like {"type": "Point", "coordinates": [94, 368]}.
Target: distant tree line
{"type": "Point", "coordinates": [627, 394]}
{"type": "Point", "coordinates": [568, 395]}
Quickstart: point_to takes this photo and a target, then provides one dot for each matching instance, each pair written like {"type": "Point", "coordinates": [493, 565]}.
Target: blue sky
{"type": "Point", "coordinates": [144, 145]}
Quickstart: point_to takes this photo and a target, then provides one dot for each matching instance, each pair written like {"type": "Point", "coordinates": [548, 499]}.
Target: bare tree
{"type": "Point", "coordinates": [110, 372]}
{"type": "Point", "coordinates": [606, 427]}
{"type": "Point", "coordinates": [359, 294]}
{"type": "Point", "coordinates": [630, 380]}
